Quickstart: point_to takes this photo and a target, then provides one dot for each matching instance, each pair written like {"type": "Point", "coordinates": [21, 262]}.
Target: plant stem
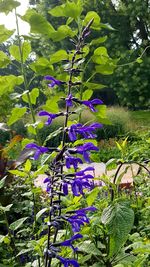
{"type": "Point", "coordinates": [25, 78]}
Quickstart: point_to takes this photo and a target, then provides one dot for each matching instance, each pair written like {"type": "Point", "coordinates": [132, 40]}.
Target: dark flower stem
{"type": "Point", "coordinates": [79, 45]}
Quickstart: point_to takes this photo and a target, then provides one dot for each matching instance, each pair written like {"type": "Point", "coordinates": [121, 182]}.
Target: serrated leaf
{"type": "Point", "coordinates": [28, 165]}
{"type": "Point", "coordinates": [8, 5]}
{"type": "Point", "coordinates": [118, 218]}
{"type": "Point", "coordinates": [5, 33]}
{"type": "Point", "coordinates": [4, 60]}
{"type": "Point", "coordinates": [25, 51]}
{"type": "Point", "coordinates": [69, 9]}
{"type": "Point", "coordinates": [87, 94]}
{"type": "Point", "coordinates": [39, 214]}
{"type": "Point", "coordinates": [17, 224]}
{"type": "Point", "coordinates": [58, 56]}
{"type": "Point", "coordinates": [7, 83]}
{"type": "Point", "coordinates": [16, 114]}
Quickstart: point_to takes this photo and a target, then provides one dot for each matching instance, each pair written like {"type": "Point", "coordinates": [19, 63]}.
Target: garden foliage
{"type": "Point", "coordinates": [68, 221]}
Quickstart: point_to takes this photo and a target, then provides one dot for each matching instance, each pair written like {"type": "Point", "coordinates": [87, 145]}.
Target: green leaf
{"type": "Point", "coordinates": [5, 33]}
{"type": "Point", "coordinates": [62, 32]}
{"type": "Point", "coordinates": [100, 55]}
{"type": "Point", "coordinates": [7, 83]}
{"type": "Point", "coordinates": [89, 248]}
{"type": "Point", "coordinates": [33, 96]}
{"type": "Point", "coordinates": [18, 173]}
{"type": "Point", "coordinates": [17, 224]}
{"type": "Point", "coordinates": [8, 5]}
{"type": "Point", "coordinates": [94, 86]}
{"type": "Point", "coordinates": [28, 165]}
{"type": "Point", "coordinates": [2, 182]}
{"type": "Point", "coordinates": [119, 219]}
{"type": "Point", "coordinates": [58, 56]}
{"type": "Point", "coordinates": [107, 26]}
{"type": "Point", "coordinates": [101, 114]}
{"type": "Point", "coordinates": [39, 214]}
{"type": "Point", "coordinates": [16, 114]}
{"type": "Point", "coordinates": [69, 9]}
{"type": "Point", "coordinates": [7, 208]}
{"type": "Point", "coordinates": [51, 105]}
{"type": "Point", "coordinates": [92, 196]}
{"type": "Point", "coordinates": [38, 23]}
{"type": "Point", "coordinates": [96, 23]}
{"type": "Point", "coordinates": [53, 134]}
{"type": "Point", "coordinates": [2, 238]}
{"type": "Point", "coordinates": [87, 94]}
{"type": "Point", "coordinates": [42, 66]}
{"type": "Point", "coordinates": [4, 60]}
{"type": "Point", "coordinates": [105, 69]}
{"type": "Point", "coordinates": [139, 60]}
{"type": "Point", "coordinates": [23, 251]}
{"type": "Point", "coordinates": [98, 40]}
{"type": "Point", "coordinates": [25, 51]}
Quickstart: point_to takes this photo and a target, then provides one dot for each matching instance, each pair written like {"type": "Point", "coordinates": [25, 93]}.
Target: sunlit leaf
{"type": "Point", "coordinates": [8, 5]}
{"type": "Point", "coordinates": [42, 66]}
{"type": "Point", "coordinates": [40, 213]}
{"type": "Point", "coordinates": [7, 83]}
{"type": "Point", "coordinates": [18, 173]}
{"type": "Point", "coordinates": [2, 182]}
{"type": "Point", "coordinates": [98, 40]}
{"type": "Point", "coordinates": [92, 15]}
{"type": "Point", "coordinates": [4, 60]}
{"type": "Point", "coordinates": [16, 114]}
{"type": "Point", "coordinates": [23, 54]}
{"type": "Point", "coordinates": [58, 56]}
{"type": "Point", "coordinates": [5, 33]}
{"type": "Point", "coordinates": [28, 165]}
{"type": "Point", "coordinates": [100, 55]}
{"type": "Point", "coordinates": [94, 86]}
{"type": "Point", "coordinates": [69, 9]}
{"type": "Point", "coordinates": [32, 96]}
{"type": "Point", "coordinates": [87, 94]}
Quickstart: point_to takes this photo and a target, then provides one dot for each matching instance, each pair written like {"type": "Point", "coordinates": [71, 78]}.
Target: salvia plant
{"type": "Point", "coordinates": [59, 181]}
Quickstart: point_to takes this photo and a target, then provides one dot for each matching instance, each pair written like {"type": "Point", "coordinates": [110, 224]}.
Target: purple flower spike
{"type": "Point", "coordinates": [53, 81]}
{"type": "Point", "coordinates": [38, 150]}
{"type": "Point", "coordinates": [69, 101]}
{"type": "Point", "coordinates": [84, 150]}
{"type": "Point", "coordinates": [72, 161]}
{"type": "Point", "coordinates": [68, 262]}
{"type": "Point", "coordinates": [68, 243]}
{"type": "Point", "coordinates": [81, 173]}
{"type": "Point", "coordinates": [49, 115]}
{"type": "Point", "coordinates": [90, 103]}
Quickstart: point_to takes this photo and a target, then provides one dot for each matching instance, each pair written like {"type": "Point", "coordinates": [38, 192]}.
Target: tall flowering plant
{"type": "Point", "coordinates": [59, 182]}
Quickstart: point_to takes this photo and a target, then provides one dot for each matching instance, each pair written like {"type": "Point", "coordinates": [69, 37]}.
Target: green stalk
{"type": "Point", "coordinates": [25, 79]}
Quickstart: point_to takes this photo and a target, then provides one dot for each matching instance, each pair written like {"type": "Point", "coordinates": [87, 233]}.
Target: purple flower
{"type": "Point", "coordinates": [68, 262]}
{"type": "Point", "coordinates": [69, 100]}
{"type": "Point", "coordinates": [85, 131]}
{"type": "Point", "coordinates": [80, 218]}
{"type": "Point", "coordinates": [81, 173]}
{"type": "Point", "coordinates": [49, 115]}
{"type": "Point", "coordinates": [38, 150]}
{"type": "Point", "coordinates": [53, 81]}
{"type": "Point", "coordinates": [72, 161]}
{"type": "Point", "coordinates": [78, 184]}
{"type": "Point", "coordinates": [90, 103]}
{"type": "Point", "coordinates": [68, 243]}
{"type": "Point", "coordinates": [84, 150]}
